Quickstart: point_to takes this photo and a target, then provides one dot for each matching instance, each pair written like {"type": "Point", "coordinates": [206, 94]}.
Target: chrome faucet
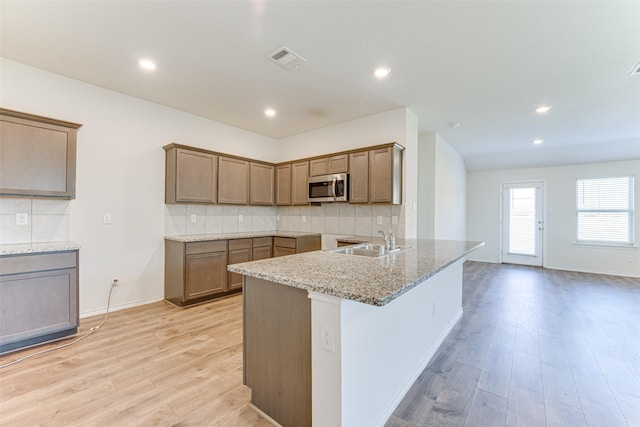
{"type": "Point", "coordinates": [389, 241]}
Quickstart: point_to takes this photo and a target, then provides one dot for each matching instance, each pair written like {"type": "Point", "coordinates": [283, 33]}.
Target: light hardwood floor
{"type": "Point", "coordinates": [535, 348]}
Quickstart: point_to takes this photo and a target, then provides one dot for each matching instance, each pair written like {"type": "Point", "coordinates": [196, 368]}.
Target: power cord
{"type": "Point", "coordinates": [114, 283]}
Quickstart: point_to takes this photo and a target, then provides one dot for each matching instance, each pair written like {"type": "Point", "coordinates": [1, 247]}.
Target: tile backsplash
{"type": "Point", "coordinates": [329, 218]}
{"type": "Point", "coordinates": [46, 220]}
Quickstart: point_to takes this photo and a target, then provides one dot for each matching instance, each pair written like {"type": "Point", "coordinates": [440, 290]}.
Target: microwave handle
{"type": "Point", "coordinates": [335, 184]}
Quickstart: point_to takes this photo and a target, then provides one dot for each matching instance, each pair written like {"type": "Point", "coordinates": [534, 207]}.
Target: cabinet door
{"type": "Point", "coordinates": [281, 251]}
{"type": "Point", "coordinates": [385, 168]}
{"type": "Point", "coordinates": [283, 185]}
{"type": "Point", "coordinates": [319, 167]}
{"type": "Point", "coordinates": [261, 184]}
{"type": "Point", "coordinates": [263, 252]}
{"type": "Point", "coordinates": [196, 176]}
{"type": "Point", "coordinates": [338, 164]}
{"type": "Point", "coordinates": [359, 177]}
{"type": "Point", "coordinates": [206, 274]}
{"type": "Point", "coordinates": [236, 256]}
{"type": "Point", "coordinates": [233, 181]}
{"type": "Point", "coordinates": [300, 183]}
{"type": "Point", "coordinates": [37, 158]}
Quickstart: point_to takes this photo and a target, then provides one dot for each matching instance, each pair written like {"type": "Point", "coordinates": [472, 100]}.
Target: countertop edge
{"type": "Point", "coordinates": [35, 248]}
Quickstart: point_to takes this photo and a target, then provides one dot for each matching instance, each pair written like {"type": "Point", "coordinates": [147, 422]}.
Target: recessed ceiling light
{"type": "Point", "coordinates": [453, 125]}
{"type": "Point", "coordinates": [543, 109]}
{"type": "Point", "coordinates": [147, 64]}
{"type": "Point", "coordinates": [537, 141]}
{"type": "Point", "coordinates": [269, 112]}
{"type": "Point", "coordinates": [381, 72]}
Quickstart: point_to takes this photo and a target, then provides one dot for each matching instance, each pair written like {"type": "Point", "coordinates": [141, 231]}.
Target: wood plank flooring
{"type": "Point", "coordinates": [535, 348]}
{"type": "Point", "coordinates": [154, 365]}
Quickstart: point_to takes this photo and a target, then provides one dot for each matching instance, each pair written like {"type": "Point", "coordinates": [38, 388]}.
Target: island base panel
{"type": "Point", "coordinates": [277, 350]}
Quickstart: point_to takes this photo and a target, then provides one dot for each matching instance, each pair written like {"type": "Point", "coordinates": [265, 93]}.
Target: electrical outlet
{"type": "Point", "coordinates": [327, 337]}
{"type": "Point", "coordinates": [194, 217]}
{"type": "Point", "coordinates": [240, 218]}
{"type": "Point", "coordinates": [277, 218]}
{"type": "Point", "coordinates": [394, 220]}
{"type": "Point", "coordinates": [379, 220]}
{"type": "Point", "coordinates": [303, 219]}
{"type": "Point", "coordinates": [22, 219]}
{"type": "Point", "coordinates": [631, 258]}
{"type": "Point", "coordinates": [106, 218]}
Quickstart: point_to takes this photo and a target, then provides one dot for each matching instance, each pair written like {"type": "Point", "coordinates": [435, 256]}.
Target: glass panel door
{"type": "Point", "coordinates": [522, 223]}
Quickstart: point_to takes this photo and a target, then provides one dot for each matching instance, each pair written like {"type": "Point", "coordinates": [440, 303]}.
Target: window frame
{"type": "Point", "coordinates": [630, 212]}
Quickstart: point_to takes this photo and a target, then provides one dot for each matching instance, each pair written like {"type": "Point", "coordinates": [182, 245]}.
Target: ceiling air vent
{"type": "Point", "coordinates": [635, 69]}
{"type": "Point", "coordinates": [286, 58]}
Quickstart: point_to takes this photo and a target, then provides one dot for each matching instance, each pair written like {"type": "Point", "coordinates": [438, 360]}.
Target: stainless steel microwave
{"type": "Point", "coordinates": [329, 188]}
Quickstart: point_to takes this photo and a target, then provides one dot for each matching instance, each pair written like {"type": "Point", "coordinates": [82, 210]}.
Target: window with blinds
{"type": "Point", "coordinates": [604, 209]}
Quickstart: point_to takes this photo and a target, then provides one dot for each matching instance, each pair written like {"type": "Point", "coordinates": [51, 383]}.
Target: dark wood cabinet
{"type": "Point", "coordinates": [240, 250]}
{"type": "Point", "coordinates": [191, 176]}
{"type": "Point", "coordinates": [38, 298]}
{"type": "Point", "coordinates": [37, 156]}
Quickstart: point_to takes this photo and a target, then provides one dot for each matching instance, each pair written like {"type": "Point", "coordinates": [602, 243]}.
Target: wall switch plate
{"type": "Point", "coordinates": [327, 337]}
{"type": "Point", "coordinates": [22, 218]}
{"type": "Point", "coordinates": [194, 217]}
{"type": "Point", "coordinates": [303, 218]}
{"type": "Point", "coordinates": [379, 220]}
{"type": "Point", "coordinates": [106, 218]}
{"type": "Point", "coordinates": [394, 220]}
{"type": "Point", "coordinates": [240, 218]}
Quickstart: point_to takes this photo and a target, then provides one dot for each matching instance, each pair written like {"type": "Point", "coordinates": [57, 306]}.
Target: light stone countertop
{"type": "Point", "coordinates": [238, 235]}
{"type": "Point", "coordinates": [33, 248]}
{"type": "Point", "coordinates": [374, 281]}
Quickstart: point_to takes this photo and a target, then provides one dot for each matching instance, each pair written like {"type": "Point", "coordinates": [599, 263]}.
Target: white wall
{"type": "Point", "coordinates": [483, 217]}
{"type": "Point", "coordinates": [399, 126]}
{"type": "Point", "coordinates": [442, 190]}
{"type": "Point", "coordinates": [121, 171]}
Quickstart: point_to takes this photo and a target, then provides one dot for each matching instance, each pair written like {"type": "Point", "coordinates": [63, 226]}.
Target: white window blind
{"type": "Point", "coordinates": [604, 210]}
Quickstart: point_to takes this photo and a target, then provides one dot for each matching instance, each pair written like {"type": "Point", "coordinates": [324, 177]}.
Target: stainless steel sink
{"type": "Point", "coordinates": [368, 249]}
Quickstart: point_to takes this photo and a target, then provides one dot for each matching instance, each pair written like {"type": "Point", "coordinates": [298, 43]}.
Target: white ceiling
{"type": "Point", "coordinates": [484, 64]}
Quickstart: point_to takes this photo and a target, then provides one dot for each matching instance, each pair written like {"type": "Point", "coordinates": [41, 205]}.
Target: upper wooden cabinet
{"type": "Point", "coordinates": [359, 177]}
{"type": "Point", "coordinates": [191, 176]}
{"type": "Point", "coordinates": [385, 175]}
{"type": "Point", "coordinates": [37, 156]}
{"type": "Point", "coordinates": [328, 165]}
{"type": "Point", "coordinates": [261, 181]}
{"type": "Point", "coordinates": [283, 185]}
{"type": "Point", "coordinates": [300, 183]}
{"type": "Point", "coordinates": [233, 181]}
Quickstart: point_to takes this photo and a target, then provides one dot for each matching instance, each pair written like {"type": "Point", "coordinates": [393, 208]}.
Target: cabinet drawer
{"type": "Point", "coordinates": [239, 244]}
{"type": "Point", "coordinates": [14, 264]}
{"type": "Point", "coordinates": [204, 247]}
{"type": "Point", "coordinates": [284, 242]}
{"type": "Point", "coordinates": [261, 241]}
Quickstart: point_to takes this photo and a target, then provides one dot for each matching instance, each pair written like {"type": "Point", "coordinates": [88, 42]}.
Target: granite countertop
{"type": "Point", "coordinates": [33, 248]}
{"type": "Point", "coordinates": [374, 281]}
{"type": "Point", "coordinates": [238, 235]}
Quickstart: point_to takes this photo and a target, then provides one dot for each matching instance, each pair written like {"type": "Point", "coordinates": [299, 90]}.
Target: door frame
{"type": "Point", "coordinates": [543, 214]}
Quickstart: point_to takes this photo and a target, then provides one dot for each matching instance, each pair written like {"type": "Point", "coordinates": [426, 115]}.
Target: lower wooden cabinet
{"type": "Point", "coordinates": [38, 298]}
{"type": "Point", "coordinates": [195, 271]}
{"type": "Point", "coordinates": [240, 250]}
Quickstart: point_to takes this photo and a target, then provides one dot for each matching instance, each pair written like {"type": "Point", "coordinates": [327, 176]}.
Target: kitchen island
{"type": "Point", "coordinates": [336, 340]}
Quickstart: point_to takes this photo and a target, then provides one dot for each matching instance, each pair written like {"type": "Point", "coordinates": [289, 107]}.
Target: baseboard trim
{"type": "Point", "coordinates": [452, 323]}
{"type": "Point", "coordinates": [263, 415]}
{"type": "Point", "coordinates": [605, 273]}
{"type": "Point", "coordinates": [120, 307]}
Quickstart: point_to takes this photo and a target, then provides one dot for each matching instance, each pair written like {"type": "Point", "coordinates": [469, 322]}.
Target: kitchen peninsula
{"type": "Point", "coordinates": [332, 339]}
